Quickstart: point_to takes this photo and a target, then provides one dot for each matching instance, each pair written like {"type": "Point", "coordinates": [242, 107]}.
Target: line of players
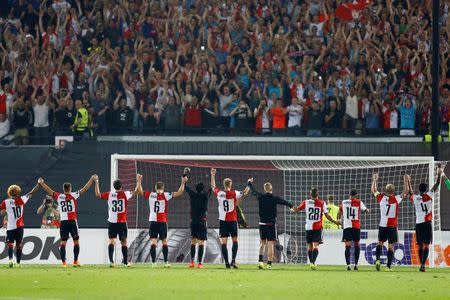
{"type": "Point", "coordinates": [228, 199]}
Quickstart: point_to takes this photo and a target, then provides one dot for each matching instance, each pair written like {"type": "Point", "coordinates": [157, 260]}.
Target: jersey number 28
{"type": "Point", "coordinates": [314, 213]}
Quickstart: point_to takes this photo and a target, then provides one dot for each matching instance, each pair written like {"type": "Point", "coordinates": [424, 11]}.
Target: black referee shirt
{"type": "Point", "coordinates": [268, 205]}
{"type": "Point", "coordinates": [199, 203]}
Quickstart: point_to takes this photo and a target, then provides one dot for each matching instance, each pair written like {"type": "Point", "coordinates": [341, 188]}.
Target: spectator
{"type": "Point", "coordinates": [193, 116]}
{"type": "Point", "coordinates": [65, 116]}
{"type": "Point", "coordinates": [242, 114]}
{"type": "Point", "coordinates": [333, 118]}
{"type": "Point", "coordinates": [150, 118]}
{"type": "Point", "coordinates": [351, 111]}
{"type": "Point", "coordinates": [41, 109]}
{"type": "Point", "coordinates": [4, 125]}
{"type": "Point", "coordinates": [372, 117]}
{"type": "Point", "coordinates": [210, 115]}
{"type": "Point", "coordinates": [172, 116]}
{"type": "Point", "coordinates": [295, 114]}
{"type": "Point", "coordinates": [122, 118]}
{"type": "Point", "coordinates": [407, 117]}
{"type": "Point", "coordinates": [278, 113]}
{"type": "Point", "coordinates": [315, 119]}
{"type": "Point", "coordinates": [390, 117]}
{"type": "Point", "coordinates": [262, 117]}
{"type": "Point", "coordinates": [21, 121]}
{"type": "Point", "coordinates": [81, 121]}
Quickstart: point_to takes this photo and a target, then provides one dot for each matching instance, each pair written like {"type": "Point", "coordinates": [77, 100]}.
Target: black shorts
{"type": "Point", "coordinates": [228, 228]}
{"type": "Point", "coordinates": [69, 227]}
{"type": "Point", "coordinates": [14, 235]}
{"type": "Point", "coordinates": [351, 235]}
{"type": "Point", "coordinates": [388, 234]}
{"type": "Point", "coordinates": [118, 229]}
{"type": "Point", "coordinates": [314, 236]}
{"type": "Point", "coordinates": [268, 232]}
{"type": "Point", "coordinates": [424, 233]}
{"type": "Point", "coordinates": [158, 229]}
{"type": "Point", "coordinates": [199, 230]}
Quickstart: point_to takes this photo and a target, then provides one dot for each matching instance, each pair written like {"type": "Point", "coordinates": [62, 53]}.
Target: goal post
{"type": "Point", "coordinates": [292, 178]}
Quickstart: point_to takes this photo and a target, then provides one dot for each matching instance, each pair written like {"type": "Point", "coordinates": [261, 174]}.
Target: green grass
{"type": "Point", "coordinates": [215, 282]}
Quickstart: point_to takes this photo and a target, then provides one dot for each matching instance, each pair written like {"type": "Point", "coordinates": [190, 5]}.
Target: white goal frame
{"type": "Point", "coordinates": [425, 159]}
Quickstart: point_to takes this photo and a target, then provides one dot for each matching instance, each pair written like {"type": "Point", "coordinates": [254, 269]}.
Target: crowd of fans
{"type": "Point", "coordinates": [294, 67]}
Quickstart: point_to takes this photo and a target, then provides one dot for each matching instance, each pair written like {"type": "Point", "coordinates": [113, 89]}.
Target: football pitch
{"type": "Point", "coordinates": [215, 282]}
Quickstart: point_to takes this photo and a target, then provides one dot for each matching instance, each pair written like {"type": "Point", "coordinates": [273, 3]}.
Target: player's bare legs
{"type": "Point", "coordinates": [153, 243]}
{"type": "Point", "coordinates": [270, 253]}
{"type": "Point", "coordinates": [357, 252]}
{"type": "Point", "coordinates": [262, 249]}
{"type": "Point", "coordinates": [165, 251]}
{"type": "Point", "coordinates": [193, 246]}
{"type": "Point", "coordinates": [378, 254]}
{"type": "Point", "coordinates": [224, 242]}
{"type": "Point", "coordinates": [111, 245]}
{"type": "Point", "coordinates": [76, 251]}
{"type": "Point", "coordinates": [234, 250]}
{"type": "Point", "coordinates": [201, 250]}
{"type": "Point", "coordinates": [62, 251]}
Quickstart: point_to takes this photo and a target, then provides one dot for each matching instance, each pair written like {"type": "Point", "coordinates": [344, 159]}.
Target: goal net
{"type": "Point", "coordinates": [292, 178]}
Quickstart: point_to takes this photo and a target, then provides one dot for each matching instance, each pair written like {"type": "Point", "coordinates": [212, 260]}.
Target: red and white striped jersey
{"type": "Point", "coordinates": [117, 205]}
{"type": "Point", "coordinates": [158, 203]}
{"type": "Point", "coordinates": [14, 211]}
{"type": "Point", "coordinates": [67, 205]}
{"type": "Point", "coordinates": [388, 209]}
{"type": "Point", "coordinates": [424, 207]}
{"type": "Point", "coordinates": [350, 210]}
{"type": "Point", "coordinates": [227, 204]}
{"type": "Point", "coordinates": [314, 210]}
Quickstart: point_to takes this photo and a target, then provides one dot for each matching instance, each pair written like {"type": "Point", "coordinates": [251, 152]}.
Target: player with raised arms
{"type": "Point", "coordinates": [349, 214]}
{"type": "Point", "coordinates": [387, 230]}
{"type": "Point", "coordinates": [117, 215]}
{"type": "Point", "coordinates": [199, 213]}
{"type": "Point", "coordinates": [228, 200]}
{"type": "Point", "coordinates": [14, 211]}
{"type": "Point", "coordinates": [267, 204]}
{"type": "Point", "coordinates": [67, 207]}
{"type": "Point", "coordinates": [423, 204]}
{"type": "Point", "coordinates": [314, 209]}
{"type": "Point", "coordinates": [158, 204]}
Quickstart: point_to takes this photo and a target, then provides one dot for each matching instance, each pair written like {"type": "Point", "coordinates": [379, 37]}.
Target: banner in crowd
{"type": "Point", "coordinates": [41, 246]}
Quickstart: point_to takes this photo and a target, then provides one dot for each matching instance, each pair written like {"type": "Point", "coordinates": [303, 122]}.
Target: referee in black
{"type": "Point", "coordinates": [267, 220]}
{"type": "Point", "coordinates": [199, 211]}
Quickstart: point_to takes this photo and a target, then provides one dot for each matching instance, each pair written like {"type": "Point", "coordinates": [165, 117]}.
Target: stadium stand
{"type": "Point", "coordinates": [88, 68]}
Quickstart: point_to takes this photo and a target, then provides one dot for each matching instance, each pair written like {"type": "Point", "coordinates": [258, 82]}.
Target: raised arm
{"type": "Point", "coordinates": [406, 190]}
{"type": "Point", "coordinates": [45, 186]}
{"type": "Point", "coordinates": [88, 184]}
{"type": "Point", "coordinates": [181, 189]}
{"type": "Point", "coordinates": [98, 194]}
{"type": "Point", "coordinates": [438, 179]}
{"type": "Point", "coordinates": [138, 190]}
{"type": "Point", "coordinates": [35, 188]}
{"type": "Point", "coordinates": [252, 188]}
{"type": "Point", "coordinates": [374, 188]}
{"type": "Point", "coordinates": [213, 178]}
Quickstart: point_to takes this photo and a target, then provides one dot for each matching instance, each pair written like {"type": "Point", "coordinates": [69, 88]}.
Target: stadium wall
{"type": "Point", "coordinates": [77, 161]}
{"type": "Point", "coordinates": [40, 246]}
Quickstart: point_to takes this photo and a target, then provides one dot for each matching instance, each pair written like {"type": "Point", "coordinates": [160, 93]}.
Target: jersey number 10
{"type": "Point", "coordinates": [17, 212]}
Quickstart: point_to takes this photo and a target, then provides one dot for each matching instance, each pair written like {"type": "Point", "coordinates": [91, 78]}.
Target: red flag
{"type": "Point", "coordinates": [349, 11]}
